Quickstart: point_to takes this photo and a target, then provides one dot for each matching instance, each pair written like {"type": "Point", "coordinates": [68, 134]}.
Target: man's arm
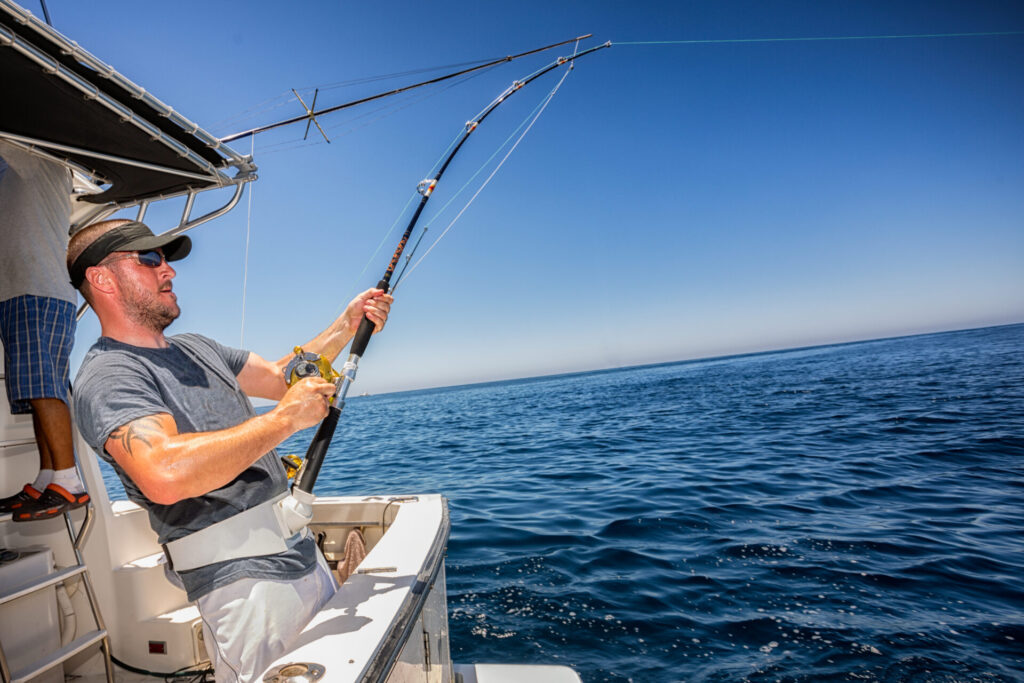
{"type": "Point", "coordinates": [169, 467]}
{"type": "Point", "coordinates": [265, 379]}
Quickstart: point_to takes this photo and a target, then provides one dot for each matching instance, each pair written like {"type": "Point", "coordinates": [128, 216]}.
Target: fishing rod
{"type": "Point", "coordinates": [311, 115]}
{"type": "Point", "coordinates": [308, 364]}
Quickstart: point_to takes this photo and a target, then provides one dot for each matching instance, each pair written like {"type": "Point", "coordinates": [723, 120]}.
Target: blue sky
{"type": "Point", "coordinates": [672, 202]}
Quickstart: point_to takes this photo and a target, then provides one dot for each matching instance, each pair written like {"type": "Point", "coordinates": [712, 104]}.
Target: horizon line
{"type": "Point", "coordinates": [788, 349]}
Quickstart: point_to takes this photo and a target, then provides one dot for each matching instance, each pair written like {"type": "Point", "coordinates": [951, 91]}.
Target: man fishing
{"type": "Point", "coordinates": [173, 417]}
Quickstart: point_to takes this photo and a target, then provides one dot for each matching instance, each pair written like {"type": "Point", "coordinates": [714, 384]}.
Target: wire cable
{"type": "Point", "coordinates": [397, 74]}
{"type": "Point", "coordinates": [388, 109]}
{"type": "Point", "coordinates": [389, 93]}
{"type": "Point", "coordinates": [287, 98]}
{"type": "Point", "coordinates": [818, 38]}
{"type": "Point", "coordinates": [245, 267]}
{"type": "Point", "coordinates": [195, 674]}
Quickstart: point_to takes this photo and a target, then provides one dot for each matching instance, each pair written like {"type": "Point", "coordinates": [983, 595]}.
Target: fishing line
{"type": "Point", "coordinates": [287, 98]}
{"type": "Point", "coordinates": [818, 38]}
{"type": "Point", "coordinates": [542, 103]}
{"type": "Point", "coordinates": [255, 110]}
{"type": "Point", "coordinates": [546, 102]}
{"type": "Point", "coordinates": [466, 184]}
{"type": "Point", "coordinates": [383, 241]}
{"type": "Point", "coordinates": [309, 115]}
{"type": "Point", "coordinates": [245, 268]}
{"type": "Point", "coordinates": [397, 74]}
{"type": "Point", "coordinates": [484, 165]}
{"type": "Point", "coordinates": [389, 109]}
{"type": "Point", "coordinates": [440, 212]}
{"type": "Point", "coordinates": [534, 115]}
{"type": "Point", "coordinates": [409, 102]}
{"type": "Point", "coordinates": [412, 197]}
{"type": "Point", "coordinates": [302, 496]}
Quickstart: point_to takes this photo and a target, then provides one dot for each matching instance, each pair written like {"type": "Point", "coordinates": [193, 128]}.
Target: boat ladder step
{"type": "Point", "coordinates": [56, 657]}
{"type": "Point", "coordinates": [186, 614]}
{"type": "Point", "coordinates": [62, 654]}
{"type": "Point", "coordinates": [145, 562]}
{"type": "Point", "coordinates": [40, 583]}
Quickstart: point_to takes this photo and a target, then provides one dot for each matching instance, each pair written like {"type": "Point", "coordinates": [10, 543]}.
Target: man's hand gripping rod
{"type": "Point", "coordinates": [306, 477]}
{"type": "Point", "coordinates": [297, 509]}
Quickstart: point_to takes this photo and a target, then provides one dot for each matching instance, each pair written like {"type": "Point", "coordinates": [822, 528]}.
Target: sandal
{"type": "Point", "coordinates": [28, 494]}
{"type": "Point", "coordinates": [55, 500]}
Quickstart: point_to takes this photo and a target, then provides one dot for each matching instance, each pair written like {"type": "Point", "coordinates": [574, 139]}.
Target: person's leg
{"type": "Point", "coordinates": [10, 324]}
{"type": "Point", "coordinates": [30, 492]}
{"type": "Point", "coordinates": [54, 419]}
{"type": "Point", "coordinates": [250, 623]}
{"type": "Point", "coordinates": [64, 490]}
{"type": "Point", "coordinates": [45, 475]}
{"type": "Point", "coordinates": [40, 332]}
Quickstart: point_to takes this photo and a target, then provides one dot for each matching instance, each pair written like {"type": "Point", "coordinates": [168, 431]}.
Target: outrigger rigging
{"type": "Point", "coordinates": [308, 365]}
{"type": "Point", "coordinates": [311, 113]}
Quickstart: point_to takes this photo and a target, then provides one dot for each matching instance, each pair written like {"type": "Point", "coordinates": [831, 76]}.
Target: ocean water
{"type": "Point", "coordinates": [839, 513]}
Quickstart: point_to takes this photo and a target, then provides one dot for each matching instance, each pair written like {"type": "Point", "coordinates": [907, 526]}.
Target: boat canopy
{"type": "Point", "coordinates": [61, 101]}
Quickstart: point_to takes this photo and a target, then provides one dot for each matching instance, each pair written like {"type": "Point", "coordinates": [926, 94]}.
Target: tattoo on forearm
{"type": "Point", "coordinates": [139, 431]}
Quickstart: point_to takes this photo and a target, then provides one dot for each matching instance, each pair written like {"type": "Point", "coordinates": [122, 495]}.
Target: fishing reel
{"type": "Point", "coordinates": [292, 465]}
{"type": "Point", "coordinates": [305, 364]}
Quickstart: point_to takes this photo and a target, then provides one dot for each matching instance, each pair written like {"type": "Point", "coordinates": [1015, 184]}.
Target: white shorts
{"type": "Point", "coordinates": [251, 622]}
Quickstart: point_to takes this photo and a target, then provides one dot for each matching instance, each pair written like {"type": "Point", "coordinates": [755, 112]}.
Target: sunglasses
{"type": "Point", "coordinates": [151, 258]}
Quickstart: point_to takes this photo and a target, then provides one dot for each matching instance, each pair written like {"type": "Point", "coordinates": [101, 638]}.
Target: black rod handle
{"type": "Point", "coordinates": [317, 451]}
{"type": "Point", "coordinates": [362, 336]}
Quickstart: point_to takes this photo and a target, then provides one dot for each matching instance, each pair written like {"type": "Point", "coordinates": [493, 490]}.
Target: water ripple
{"type": "Point", "coordinates": [842, 513]}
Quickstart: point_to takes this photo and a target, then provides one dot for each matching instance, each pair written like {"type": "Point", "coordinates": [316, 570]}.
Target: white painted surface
{"type": "Point", "coordinates": [19, 465]}
{"type": "Point", "coordinates": [346, 634]}
{"type": "Point", "coordinates": [515, 673]}
{"type": "Point", "coordinates": [14, 429]}
{"type": "Point", "coordinates": [28, 625]}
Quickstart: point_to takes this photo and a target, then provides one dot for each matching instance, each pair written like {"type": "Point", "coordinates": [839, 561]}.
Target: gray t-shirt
{"type": "Point", "coordinates": [193, 380]}
{"type": "Point", "coordinates": [35, 216]}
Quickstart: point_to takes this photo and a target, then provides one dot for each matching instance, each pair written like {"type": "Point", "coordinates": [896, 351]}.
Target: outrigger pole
{"type": "Point", "coordinates": [306, 478]}
{"type": "Point", "coordinates": [311, 115]}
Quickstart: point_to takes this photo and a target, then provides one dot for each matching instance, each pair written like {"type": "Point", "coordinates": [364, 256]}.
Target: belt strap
{"type": "Point", "coordinates": [260, 530]}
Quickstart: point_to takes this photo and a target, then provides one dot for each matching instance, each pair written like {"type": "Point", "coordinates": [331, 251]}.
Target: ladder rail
{"type": "Point", "coordinates": [81, 643]}
{"type": "Point", "coordinates": [59, 656]}
{"type": "Point", "coordinates": [5, 673]}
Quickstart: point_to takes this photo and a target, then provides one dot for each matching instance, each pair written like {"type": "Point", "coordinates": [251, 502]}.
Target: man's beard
{"type": "Point", "coordinates": [148, 309]}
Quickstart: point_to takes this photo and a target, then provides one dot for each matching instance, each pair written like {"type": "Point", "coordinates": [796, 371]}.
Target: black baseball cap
{"type": "Point", "coordinates": [132, 236]}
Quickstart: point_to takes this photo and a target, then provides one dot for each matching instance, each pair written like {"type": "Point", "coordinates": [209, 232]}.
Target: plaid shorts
{"type": "Point", "coordinates": [37, 333]}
